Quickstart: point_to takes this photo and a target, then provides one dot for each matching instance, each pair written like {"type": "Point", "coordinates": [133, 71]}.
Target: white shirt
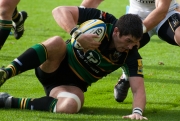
{"type": "Point", "coordinates": [144, 7]}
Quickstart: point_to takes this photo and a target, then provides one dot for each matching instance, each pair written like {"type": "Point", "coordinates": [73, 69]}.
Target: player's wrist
{"type": "Point", "coordinates": [144, 28]}
{"type": "Point", "coordinates": [138, 111]}
{"type": "Point", "coordinates": [75, 33]}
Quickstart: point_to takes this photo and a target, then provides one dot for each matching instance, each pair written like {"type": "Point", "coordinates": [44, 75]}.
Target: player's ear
{"type": "Point", "coordinates": [116, 31]}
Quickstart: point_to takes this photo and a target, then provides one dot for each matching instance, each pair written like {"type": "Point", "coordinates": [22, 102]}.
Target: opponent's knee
{"type": "Point", "coordinates": [177, 36]}
{"type": "Point", "coordinates": [68, 103]}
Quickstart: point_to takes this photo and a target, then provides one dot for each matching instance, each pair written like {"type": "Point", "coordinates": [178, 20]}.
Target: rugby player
{"type": "Point", "coordinates": [66, 72]}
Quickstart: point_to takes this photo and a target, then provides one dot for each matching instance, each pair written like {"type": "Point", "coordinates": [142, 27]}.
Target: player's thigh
{"type": "Point", "coordinates": [56, 51]}
{"type": "Point", "coordinates": [70, 98]}
{"type": "Point", "coordinates": [177, 34]}
{"type": "Point", "coordinates": [9, 3]}
{"type": "Point", "coordinates": [7, 8]}
{"type": "Point", "coordinates": [55, 46]}
{"type": "Point", "coordinates": [169, 27]}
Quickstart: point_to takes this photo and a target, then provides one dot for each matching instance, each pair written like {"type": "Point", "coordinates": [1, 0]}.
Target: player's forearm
{"type": "Point", "coordinates": [153, 19]}
{"type": "Point", "coordinates": [66, 17]}
{"type": "Point", "coordinates": [157, 15]}
{"type": "Point", "coordinates": [139, 99]}
{"type": "Point", "coordinates": [91, 3]}
{"type": "Point", "coordinates": [138, 90]}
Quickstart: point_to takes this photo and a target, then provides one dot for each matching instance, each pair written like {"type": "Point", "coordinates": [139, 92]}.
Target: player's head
{"type": "Point", "coordinates": [130, 24]}
{"type": "Point", "coordinates": [127, 32]}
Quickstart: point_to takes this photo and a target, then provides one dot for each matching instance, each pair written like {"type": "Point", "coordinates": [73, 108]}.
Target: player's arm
{"type": "Point", "coordinates": [67, 18]}
{"type": "Point", "coordinates": [139, 98]}
{"type": "Point", "coordinates": [134, 68]}
{"type": "Point", "coordinates": [158, 14]}
{"type": "Point", "coordinates": [138, 90]}
{"type": "Point", "coordinates": [91, 3]}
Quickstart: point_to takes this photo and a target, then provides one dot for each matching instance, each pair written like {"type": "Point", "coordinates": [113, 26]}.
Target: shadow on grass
{"type": "Point", "coordinates": [165, 81]}
{"type": "Point", "coordinates": [162, 67]}
{"type": "Point", "coordinates": [99, 114]}
{"type": "Point", "coordinates": [104, 114]}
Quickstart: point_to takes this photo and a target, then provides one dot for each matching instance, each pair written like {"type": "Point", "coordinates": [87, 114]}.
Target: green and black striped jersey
{"type": "Point", "coordinates": [95, 64]}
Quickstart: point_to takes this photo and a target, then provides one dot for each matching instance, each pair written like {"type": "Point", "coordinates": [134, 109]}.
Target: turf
{"type": "Point", "coordinates": [160, 61]}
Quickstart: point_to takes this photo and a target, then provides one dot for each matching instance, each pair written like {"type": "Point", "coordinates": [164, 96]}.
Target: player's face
{"type": "Point", "coordinates": [123, 43]}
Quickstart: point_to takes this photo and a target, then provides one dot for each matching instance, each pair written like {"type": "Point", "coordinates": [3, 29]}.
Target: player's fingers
{"type": "Point", "coordinates": [85, 50]}
{"type": "Point", "coordinates": [125, 117]}
{"type": "Point", "coordinates": [94, 45]}
{"type": "Point", "coordinates": [95, 36]}
{"type": "Point", "coordinates": [91, 48]}
{"type": "Point", "coordinates": [145, 118]}
{"type": "Point", "coordinates": [141, 118]}
{"type": "Point", "coordinates": [131, 117]}
{"type": "Point", "coordinates": [91, 35]}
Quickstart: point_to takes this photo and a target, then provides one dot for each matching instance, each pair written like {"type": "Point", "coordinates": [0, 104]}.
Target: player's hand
{"type": "Point", "coordinates": [135, 116]}
{"type": "Point", "coordinates": [88, 41]}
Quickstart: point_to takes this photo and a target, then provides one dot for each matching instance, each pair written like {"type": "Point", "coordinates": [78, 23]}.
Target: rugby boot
{"type": "Point", "coordinates": [121, 90]}
{"type": "Point", "coordinates": [18, 27]}
{"type": "Point", "coordinates": [5, 100]}
{"type": "Point", "coordinates": [3, 76]}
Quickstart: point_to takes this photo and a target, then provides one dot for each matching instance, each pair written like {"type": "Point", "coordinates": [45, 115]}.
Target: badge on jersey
{"type": "Point", "coordinates": [140, 66]}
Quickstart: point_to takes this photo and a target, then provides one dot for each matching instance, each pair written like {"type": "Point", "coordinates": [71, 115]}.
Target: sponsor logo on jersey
{"type": "Point", "coordinates": [115, 56]}
{"type": "Point", "coordinates": [90, 57]}
{"type": "Point", "coordinates": [140, 66]}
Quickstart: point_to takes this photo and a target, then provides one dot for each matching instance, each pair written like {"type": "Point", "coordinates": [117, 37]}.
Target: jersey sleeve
{"type": "Point", "coordinates": [92, 13]}
{"type": "Point", "coordinates": [133, 65]}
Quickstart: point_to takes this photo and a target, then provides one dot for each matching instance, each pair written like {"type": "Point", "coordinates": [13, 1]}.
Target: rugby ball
{"type": "Point", "coordinates": [94, 26]}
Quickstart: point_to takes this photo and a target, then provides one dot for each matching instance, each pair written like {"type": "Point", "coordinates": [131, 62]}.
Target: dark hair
{"type": "Point", "coordinates": [130, 24]}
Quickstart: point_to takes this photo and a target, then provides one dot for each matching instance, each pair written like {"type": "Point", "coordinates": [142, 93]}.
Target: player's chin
{"type": "Point", "coordinates": [121, 50]}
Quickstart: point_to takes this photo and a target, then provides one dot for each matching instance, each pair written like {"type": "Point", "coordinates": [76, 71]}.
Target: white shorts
{"type": "Point", "coordinates": [155, 30]}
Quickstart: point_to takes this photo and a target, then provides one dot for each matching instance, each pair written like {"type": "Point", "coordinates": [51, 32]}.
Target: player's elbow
{"type": "Point", "coordinates": [164, 14]}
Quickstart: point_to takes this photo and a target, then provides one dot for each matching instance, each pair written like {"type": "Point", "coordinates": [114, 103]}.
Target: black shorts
{"type": "Point", "coordinates": [166, 31]}
{"type": "Point", "coordinates": [62, 76]}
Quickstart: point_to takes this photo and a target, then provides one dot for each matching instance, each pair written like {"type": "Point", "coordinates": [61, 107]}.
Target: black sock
{"type": "Point", "coordinates": [16, 16]}
{"type": "Point", "coordinates": [5, 29]}
{"type": "Point", "coordinates": [31, 58]}
{"type": "Point", "coordinates": [42, 104]}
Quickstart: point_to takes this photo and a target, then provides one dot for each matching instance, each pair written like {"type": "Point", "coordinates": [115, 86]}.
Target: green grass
{"type": "Point", "coordinates": [161, 81]}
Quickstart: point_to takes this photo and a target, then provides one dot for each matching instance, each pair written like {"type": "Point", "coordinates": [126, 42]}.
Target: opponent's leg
{"type": "Point", "coordinates": [174, 21]}
{"type": "Point", "coordinates": [177, 35]}
{"type": "Point", "coordinates": [6, 10]}
{"type": "Point", "coordinates": [170, 30]}
{"type": "Point", "coordinates": [18, 22]}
